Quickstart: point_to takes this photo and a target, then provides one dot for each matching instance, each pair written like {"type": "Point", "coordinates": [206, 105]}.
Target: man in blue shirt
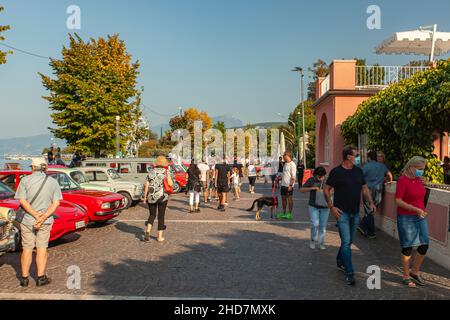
{"type": "Point", "coordinates": [374, 174]}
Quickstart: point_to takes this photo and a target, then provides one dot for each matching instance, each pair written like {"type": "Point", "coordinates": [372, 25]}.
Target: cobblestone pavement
{"type": "Point", "coordinates": [218, 255]}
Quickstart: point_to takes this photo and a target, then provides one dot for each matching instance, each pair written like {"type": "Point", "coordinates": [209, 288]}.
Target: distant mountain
{"type": "Point", "coordinates": [28, 145]}
{"type": "Point", "coordinates": [265, 125]}
{"type": "Point", "coordinates": [230, 122]}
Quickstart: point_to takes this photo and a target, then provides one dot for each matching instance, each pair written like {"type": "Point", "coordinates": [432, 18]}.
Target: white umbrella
{"type": "Point", "coordinates": [425, 40]}
{"type": "Point", "coordinates": [282, 144]}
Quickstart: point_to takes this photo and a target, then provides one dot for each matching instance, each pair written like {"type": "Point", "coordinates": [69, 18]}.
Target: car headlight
{"type": "Point", "coordinates": [106, 205]}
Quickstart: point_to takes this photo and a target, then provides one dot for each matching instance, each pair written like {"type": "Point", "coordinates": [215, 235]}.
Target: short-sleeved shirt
{"type": "Point", "coordinates": [374, 173]}
{"type": "Point", "coordinates": [222, 173]}
{"type": "Point", "coordinates": [289, 173]}
{"type": "Point", "coordinates": [155, 179]}
{"type": "Point", "coordinates": [311, 183]}
{"type": "Point", "coordinates": [412, 191]}
{"type": "Point", "coordinates": [252, 171]}
{"type": "Point", "coordinates": [347, 185]}
{"type": "Point", "coordinates": [50, 192]}
{"type": "Point", "coordinates": [203, 167]}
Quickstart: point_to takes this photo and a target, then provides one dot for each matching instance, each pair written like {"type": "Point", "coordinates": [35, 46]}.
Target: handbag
{"type": "Point", "coordinates": [167, 188]}
{"type": "Point", "coordinates": [320, 198]}
{"type": "Point", "coordinates": [20, 214]}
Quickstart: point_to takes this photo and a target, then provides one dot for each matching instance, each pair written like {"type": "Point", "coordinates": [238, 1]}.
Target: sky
{"type": "Point", "coordinates": [226, 57]}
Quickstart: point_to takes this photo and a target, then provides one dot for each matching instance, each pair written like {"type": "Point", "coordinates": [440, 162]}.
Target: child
{"type": "Point", "coordinates": [210, 182]}
{"type": "Point", "coordinates": [235, 183]}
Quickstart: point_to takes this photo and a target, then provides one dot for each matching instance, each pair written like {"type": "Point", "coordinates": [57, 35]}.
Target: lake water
{"type": "Point", "coordinates": [23, 163]}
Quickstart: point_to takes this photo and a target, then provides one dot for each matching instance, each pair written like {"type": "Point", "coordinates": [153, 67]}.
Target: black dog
{"type": "Point", "coordinates": [271, 202]}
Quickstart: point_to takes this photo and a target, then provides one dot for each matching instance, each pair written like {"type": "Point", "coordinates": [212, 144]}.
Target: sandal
{"type": "Point", "coordinates": [417, 279]}
{"type": "Point", "coordinates": [409, 282]}
{"type": "Point", "coordinates": [146, 237]}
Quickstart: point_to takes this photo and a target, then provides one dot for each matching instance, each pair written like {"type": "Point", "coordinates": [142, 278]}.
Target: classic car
{"type": "Point", "coordinates": [9, 234]}
{"type": "Point", "coordinates": [100, 206]}
{"type": "Point", "coordinates": [108, 177]}
{"type": "Point", "coordinates": [69, 217]}
{"type": "Point", "coordinates": [136, 169]}
{"type": "Point", "coordinates": [79, 177]}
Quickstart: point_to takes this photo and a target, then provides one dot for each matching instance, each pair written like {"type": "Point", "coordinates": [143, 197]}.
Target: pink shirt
{"type": "Point", "coordinates": [412, 192]}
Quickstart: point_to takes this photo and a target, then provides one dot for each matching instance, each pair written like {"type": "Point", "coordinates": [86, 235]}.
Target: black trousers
{"type": "Point", "coordinates": [161, 208]}
{"type": "Point", "coordinates": [300, 180]}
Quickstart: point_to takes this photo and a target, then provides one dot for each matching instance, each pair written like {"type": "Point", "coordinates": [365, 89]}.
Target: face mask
{"type": "Point", "coordinates": [419, 173]}
{"type": "Point", "coordinates": [357, 161]}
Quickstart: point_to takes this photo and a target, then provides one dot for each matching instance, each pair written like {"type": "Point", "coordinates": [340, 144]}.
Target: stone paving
{"type": "Point", "coordinates": [218, 255]}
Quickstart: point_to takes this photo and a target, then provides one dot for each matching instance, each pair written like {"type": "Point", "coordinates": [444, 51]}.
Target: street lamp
{"type": "Point", "coordinates": [300, 70]}
{"type": "Point", "coordinates": [117, 136]}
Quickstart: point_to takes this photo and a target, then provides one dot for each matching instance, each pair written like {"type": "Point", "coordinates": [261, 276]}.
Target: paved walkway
{"type": "Point", "coordinates": [217, 255]}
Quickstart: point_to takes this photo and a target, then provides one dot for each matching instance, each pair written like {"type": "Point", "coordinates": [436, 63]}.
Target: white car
{"type": "Point", "coordinates": [131, 190]}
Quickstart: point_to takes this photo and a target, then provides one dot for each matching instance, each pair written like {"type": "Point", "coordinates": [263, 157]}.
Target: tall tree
{"type": "Point", "coordinates": [220, 125]}
{"type": "Point", "coordinates": [94, 82]}
{"type": "Point", "coordinates": [3, 54]}
{"type": "Point", "coordinates": [319, 69]}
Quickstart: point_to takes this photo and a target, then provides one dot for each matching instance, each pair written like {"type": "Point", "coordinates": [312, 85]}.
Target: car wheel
{"type": "Point", "coordinates": [128, 199]}
{"type": "Point", "coordinates": [176, 188]}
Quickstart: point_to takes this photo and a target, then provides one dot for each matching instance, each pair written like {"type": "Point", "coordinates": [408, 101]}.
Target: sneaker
{"type": "Point", "coordinates": [312, 244]}
{"type": "Point", "coordinates": [281, 215]}
{"type": "Point", "coordinates": [42, 281]}
{"type": "Point", "coordinates": [288, 216]}
{"type": "Point", "coordinates": [222, 209]}
{"type": "Point", "coordinates": [350, 280]}
{"type": "Point", "coordinates": [417, 279]}
{"type": "Point", "coordinates": [226, 203]}
{"type": "Point", "coordinates": [197, 210]}
{"type": "Point", "coordinates": [361, 231]}
{"type": "Point", "coordinates": [24, 281]}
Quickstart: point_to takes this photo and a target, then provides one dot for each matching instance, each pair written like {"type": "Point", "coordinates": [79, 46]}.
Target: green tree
{"type": "Point", "coordinates": [220, 125]}
{"type": "Point", "coordinates": [319, 69]}
{"type": "Point", "coordinates": [3, 54]}
{"type": "Point", "coordinates": [94, 82]}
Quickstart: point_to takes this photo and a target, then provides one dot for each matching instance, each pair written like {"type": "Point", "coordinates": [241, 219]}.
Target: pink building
{"type": "Point", "coordinates": [338, 97]}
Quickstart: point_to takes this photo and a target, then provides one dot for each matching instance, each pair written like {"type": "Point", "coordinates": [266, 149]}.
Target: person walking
{"type": "Point", "coordinates": [194, 186]}
{"type": "Point", "coordinates": [348, 182]}
{"type": "Point", "coordinates": [240, 168]}
{"type": "Point", "coordinates": [300, 172]}
{"type": "Point", "coordinates": [235, 182]}
{"type": "Point", "coordinates": [50, 156]}
{"type": "Point", "coordinates": [156, 197]}
{"type": "Point", "coordinates": [411, 219]}
{"type": "Point", "coordinates": [374, 173]}
{"type": "Point", "coordinates": [39, 197]}
{"type": "Point", "coordinates": [222, 183]}
{"type": "Point", "coordinates": [204, 169]}
{"type": "Point", "coordinates": [318, 209]}
{"type": "Point", "coordinates": [251, 173]}
{"type": "Point", "coordinates": [212, 191]}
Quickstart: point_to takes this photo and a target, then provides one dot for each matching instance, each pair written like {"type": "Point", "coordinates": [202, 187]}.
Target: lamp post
{"type": "Point", "coordinates": [300, 70]}
{"type": "Point", "coordinates": [117, 136]}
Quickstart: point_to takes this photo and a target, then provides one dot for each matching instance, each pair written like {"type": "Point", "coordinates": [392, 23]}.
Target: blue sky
{"type": "Point", "coordinates": [228, 57]}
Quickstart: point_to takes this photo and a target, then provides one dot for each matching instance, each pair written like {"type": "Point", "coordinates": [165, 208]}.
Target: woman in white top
{"type": "Point", "coordinates": [235, 183]}
{"type": "Point", "coordinates": [251, 169]}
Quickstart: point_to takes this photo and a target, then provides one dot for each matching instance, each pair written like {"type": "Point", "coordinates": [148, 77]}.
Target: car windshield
{"type": "Point", "coordinates": [79, 177]}
{"type": "Point", "coordinates": [113, 174]}
{"type": "Point", "coordinates": [65, 182]}
{"type": "Point", "coordinates": [5, 192]}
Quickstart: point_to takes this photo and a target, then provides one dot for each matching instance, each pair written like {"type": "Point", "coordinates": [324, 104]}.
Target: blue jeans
{"type": "Point", "coordinates": [347, 225]}
{"type": "Point", "coordinates": [319, 220]}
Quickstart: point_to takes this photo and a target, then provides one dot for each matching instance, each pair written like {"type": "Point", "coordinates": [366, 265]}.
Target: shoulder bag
{"type": "Point", "coordinates": [320, 197]}
{"type": "Point", "coordinates": [167, 188]}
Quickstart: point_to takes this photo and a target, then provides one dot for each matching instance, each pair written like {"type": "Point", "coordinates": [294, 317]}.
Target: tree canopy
{"type": "Point", "coordinates": [404, 119]}
{"type": "Point", "coordinates": [94, 82]}
{"type": "Point", "coordinates": [3, 54]}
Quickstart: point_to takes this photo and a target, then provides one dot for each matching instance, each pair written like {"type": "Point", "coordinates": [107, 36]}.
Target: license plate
{"type": "Point", "coordinates": [80, 224]}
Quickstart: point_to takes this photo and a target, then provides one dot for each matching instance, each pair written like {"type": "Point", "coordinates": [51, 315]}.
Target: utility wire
{"type": "Point", "coordinates": [24, 51]}
{"type": "Point", "coordinates": [157, 113]}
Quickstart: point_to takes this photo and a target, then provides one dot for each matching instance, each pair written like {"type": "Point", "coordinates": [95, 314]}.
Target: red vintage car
{"type": "Point", "coordinates": [70, 217]}
{"type": "Point", "coordinates": [100, 206]}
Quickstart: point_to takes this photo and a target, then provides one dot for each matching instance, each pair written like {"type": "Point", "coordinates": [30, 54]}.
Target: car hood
{"type": "Point", "coordinates": [93, 186]}
{"type": "Point", "coordinates": [97, 194]}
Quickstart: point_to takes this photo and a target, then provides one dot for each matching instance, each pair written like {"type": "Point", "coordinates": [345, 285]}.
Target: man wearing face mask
{"type": "Point", "coordinates": [348, 182]}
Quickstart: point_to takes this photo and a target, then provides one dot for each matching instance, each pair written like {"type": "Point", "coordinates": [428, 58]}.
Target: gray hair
{"type": "Point", "coordinates": [415, 161]}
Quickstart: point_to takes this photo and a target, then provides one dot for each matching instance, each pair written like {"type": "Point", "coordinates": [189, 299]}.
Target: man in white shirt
{"type": "Point", "coordinates": [204, 168]}
{"type": "Point", "coordinates": [287, 185]}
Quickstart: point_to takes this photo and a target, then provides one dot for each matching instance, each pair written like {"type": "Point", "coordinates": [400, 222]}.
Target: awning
{"type": "Point", "coordinates": [421, 41]}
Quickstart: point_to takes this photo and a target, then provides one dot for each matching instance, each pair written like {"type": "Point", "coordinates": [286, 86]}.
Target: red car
{"type": "Point", "coordinates": [100, 206]}
{"type": "Point", "coordinates": [70, 217]}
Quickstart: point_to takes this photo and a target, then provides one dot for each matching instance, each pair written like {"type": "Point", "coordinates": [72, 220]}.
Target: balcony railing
{"type": "Point", "coordinates": [380, 77]}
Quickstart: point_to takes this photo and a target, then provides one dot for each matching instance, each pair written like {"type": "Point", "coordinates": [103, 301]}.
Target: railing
{"type": "Point", "coordinates": [368, 77]}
